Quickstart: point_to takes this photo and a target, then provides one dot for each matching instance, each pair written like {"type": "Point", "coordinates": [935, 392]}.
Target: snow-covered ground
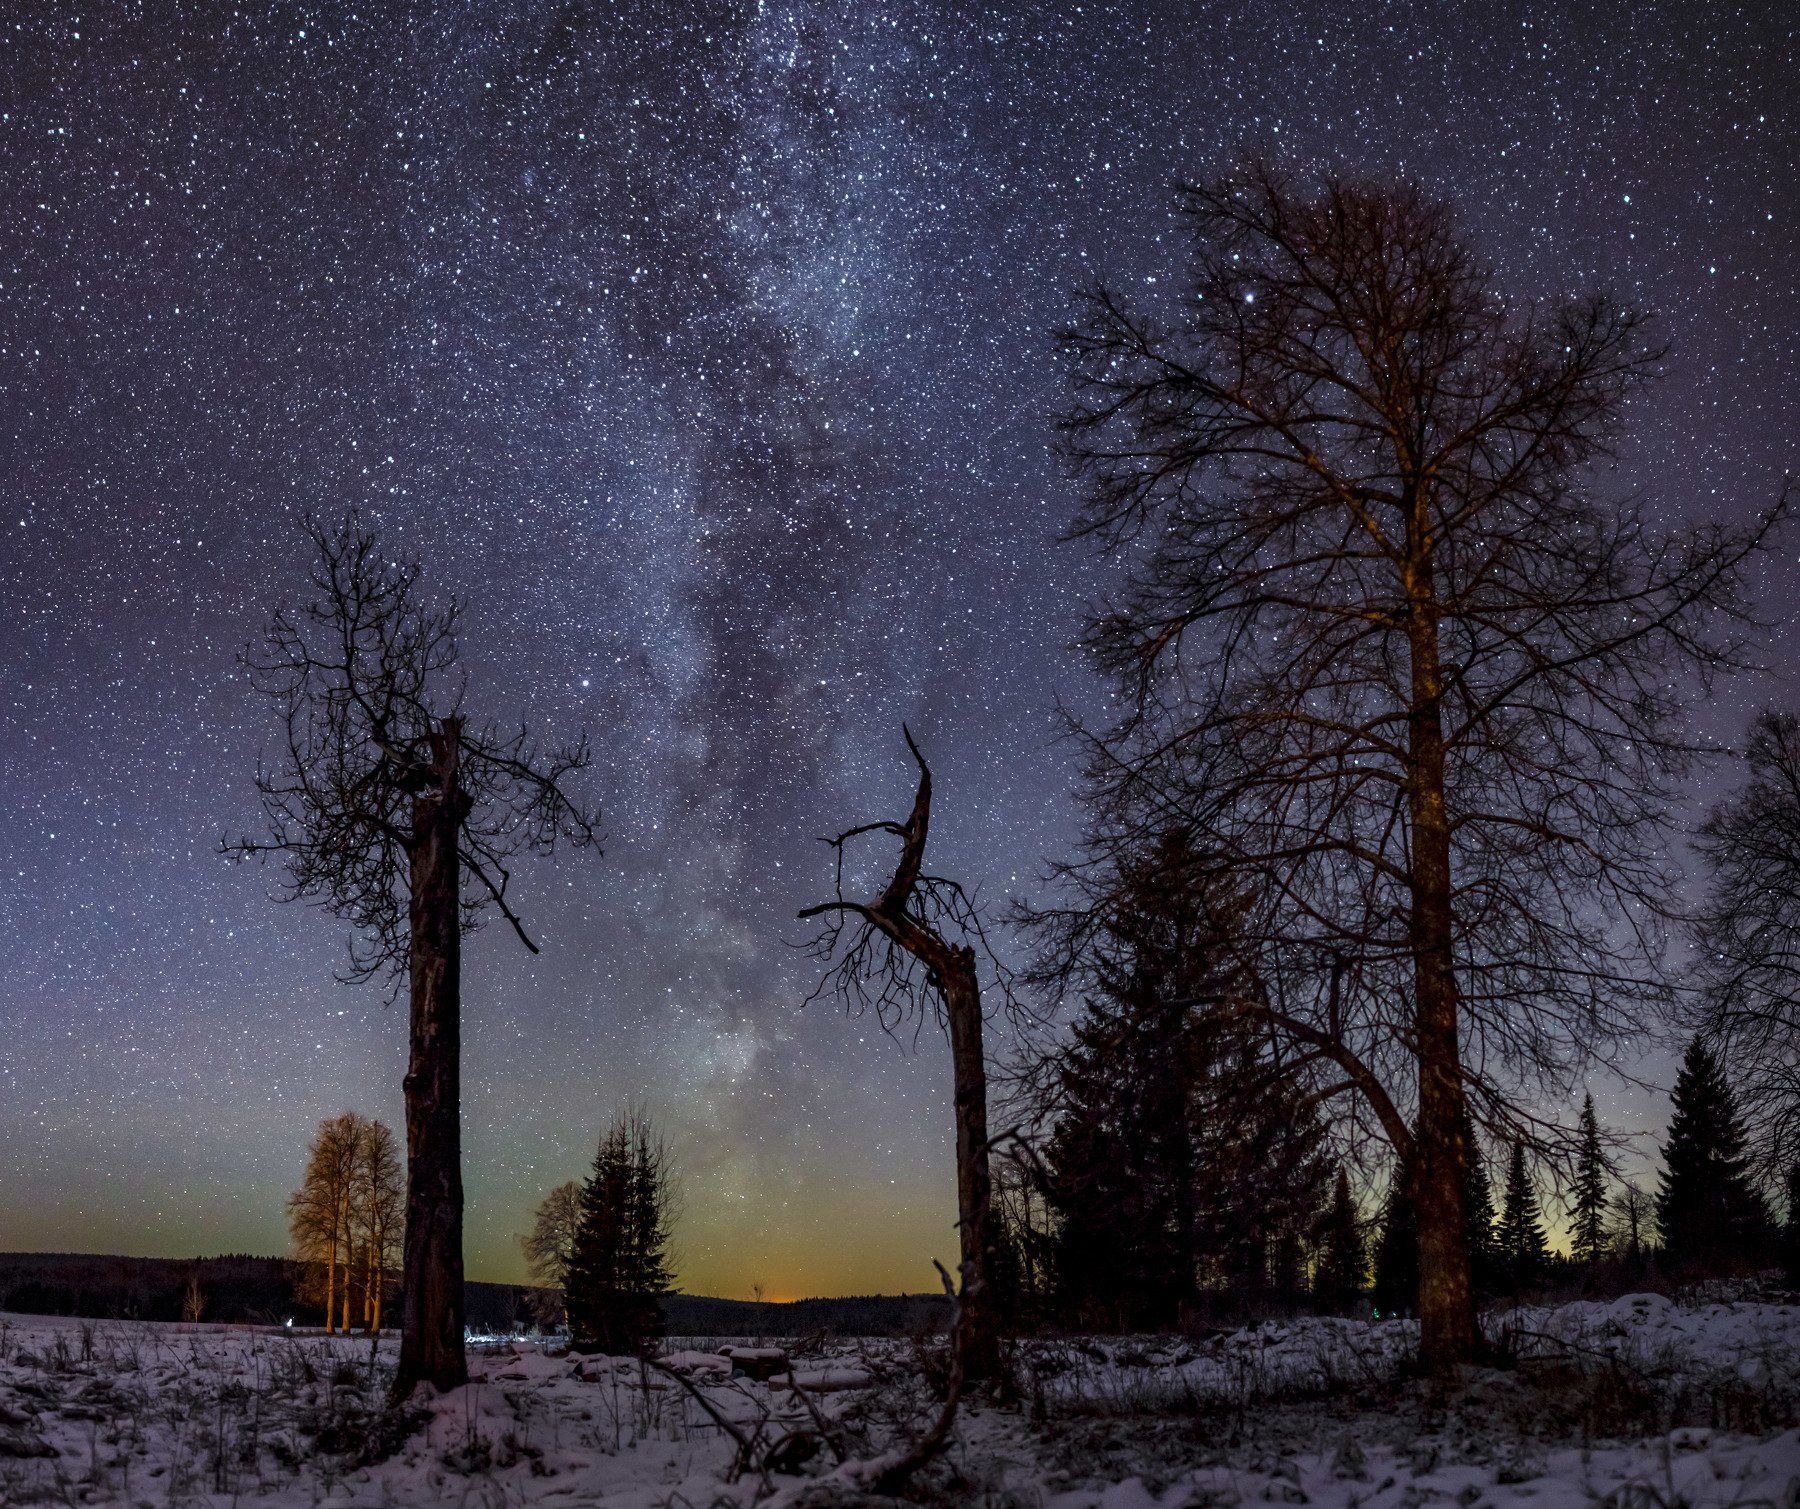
{"type": "Point", "coordinates": [1636, 1404]}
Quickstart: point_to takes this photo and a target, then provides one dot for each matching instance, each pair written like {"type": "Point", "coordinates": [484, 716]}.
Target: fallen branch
{"type": "Point", "coordinates": [890, 1472]}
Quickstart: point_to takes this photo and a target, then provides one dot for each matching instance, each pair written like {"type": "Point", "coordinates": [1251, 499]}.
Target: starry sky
{"type": "Point", "coordinates": [706, 352]}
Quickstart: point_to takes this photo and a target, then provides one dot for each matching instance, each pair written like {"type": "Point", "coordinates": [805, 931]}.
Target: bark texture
{"type": "Point", "coordinates": [431, 1334]}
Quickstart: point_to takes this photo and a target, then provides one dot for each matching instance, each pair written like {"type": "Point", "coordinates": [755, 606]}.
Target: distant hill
{"type": "Point", "coordinates": [260, 1290]}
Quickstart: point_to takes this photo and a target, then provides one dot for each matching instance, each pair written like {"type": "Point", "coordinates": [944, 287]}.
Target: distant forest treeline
{"type": "Point", "coordinates": [238, 1288]}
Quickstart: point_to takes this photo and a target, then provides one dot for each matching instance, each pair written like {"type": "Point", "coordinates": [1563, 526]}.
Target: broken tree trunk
{"type": "Point", "coordinates": [978, 1339]}
{"type": "Point", "coordinates": [431, 1327]}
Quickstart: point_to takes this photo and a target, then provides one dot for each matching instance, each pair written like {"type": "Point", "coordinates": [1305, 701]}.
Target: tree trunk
{"type": "Point", "coordinates": [978, 1340]}
{"type": "Point", "coordinates": [431, 1325]}
{"type": "Point", "coordinates": [1447, 1328]}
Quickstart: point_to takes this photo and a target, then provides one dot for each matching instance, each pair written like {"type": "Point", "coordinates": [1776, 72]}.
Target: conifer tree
{"type": "Point", "coordinates": [619, 1270]}
{"type": "Point", "coordinates": [1183, 1153]}
{"type": "Point", "coordinates": [1523, 1251]}
{"type": "Point", "coordinates": [1343, 1262]}
{"type": "Point", "coordinates": [1478, 1209]}
{"type": "Point", "coordinates": [1707, 1210]}
{"type": "Point", "coordinates": [1587, 1237]}
{"type": "Point", "coordinates": [1397, 1250]}
{"type": "Point", "coordinates": [1396, 1256]}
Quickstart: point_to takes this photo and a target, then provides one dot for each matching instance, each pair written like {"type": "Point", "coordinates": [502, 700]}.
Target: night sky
{"type": "Point", "coordinates": [707, 354]}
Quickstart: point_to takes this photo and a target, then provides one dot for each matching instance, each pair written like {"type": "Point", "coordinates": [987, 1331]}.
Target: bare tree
{"type": "Point", "coordinates": [377, 1213]}
{"type": "Point", "coordinates": [1634, 1218]}
{"type": "Point", "coordinates": [1390, 661]}
{"type": "Point", "coordinates": [913, 950]}
{"type": "Point", "coordinates": [1749, 939]}
{"type": "Point", "coordinates": [319, 1215]}
{"type": "Point", "coordinates": [344, 1218]}
{"type": "Point", "coordinates": [550, 1247]}
{"type": "Point", "coordinates": [386, 796]}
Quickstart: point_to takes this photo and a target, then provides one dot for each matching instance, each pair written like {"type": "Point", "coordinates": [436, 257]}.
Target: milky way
{"type": "Point", "coordinates": [707, 354]}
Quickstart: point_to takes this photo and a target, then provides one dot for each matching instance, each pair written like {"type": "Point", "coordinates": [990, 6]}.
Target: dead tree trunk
{"type": "Point", "coordinates": [978, 1339]}
{"type": "Point", "coordinates": [898, 960]}
{"type": "Point", "coordinates": [385, 800]}
{"type": "Point", "coordinates": [431, 1327]}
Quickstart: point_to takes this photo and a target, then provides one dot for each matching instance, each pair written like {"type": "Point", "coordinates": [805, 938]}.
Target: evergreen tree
{"type": "Point", "coordinates": [619, 1270]}
{"type": "Point", "coordinates": [1587, 1237]}
{"type": "Point", "coordinates": [1343, 1261]}
{"type": "Point", "coordinates": [1708, 1211]}
{"type": "Point", "coordinates": [1397, 1250]}
{"type": "Point", "coordinates": [1523, 1252]}
{"type": "Point", "coordinates": [1184, 1155]}
{"type": "Point", "coordinates": [1396, 1253]}
{"type": "Point", "coordinates": [1478, 1206]}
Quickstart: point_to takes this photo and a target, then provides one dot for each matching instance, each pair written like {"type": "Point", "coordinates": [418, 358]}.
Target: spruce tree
{"type": "Point", "coordinates": [1587, 1236]}
{"type": "Point", "coordinates": [1184, 1155]}
{"type": "Point", "coordinates": [1478, 1206]}
{"type": "Point", "coordinates": [1397, 1249]}
{"type": "Point", "coordinates": [1343, 1261]}
{"type": "Point", "coordinates": [619, 1271]}
{"type": "Point", "coordinates": [1523, 1251]}
{"type": "Point", "coordinates": [1709, 1213]}
{"type": "Point", "coordinates": [1396, 1255]}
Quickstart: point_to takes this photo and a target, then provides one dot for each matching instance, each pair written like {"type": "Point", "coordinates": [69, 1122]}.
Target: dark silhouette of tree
{"type": "Point", "coordinates": [386, 796]}
{"type": "Point", "coordinates": [1396, 1290]}
{"type": "Point", "coordinates": [1478, 1210]}
{"type": "Point", "coordinates": [618, 1270]}
{"type": "Point", "coordinates": [1397, 1259]}
{"type": "Point", "coordinates": [1184, 1159]}
{"type": "Point", "coordinates": [1790, 1231]}
{"type": "Point", "coordinates": [912, 950]}
{"type": "Point", "coordinates": [1749, 938]}
{"type": "Point", "coordinates": [1342, 1269]}
{"type": "Point", "coordinates": [1023, 1244]}
{"type": "Point", "coordinates": [1633, 1213]}
{"type": "Point", "coordinates": [549, 1249]}
{"type": "Point", "coordinates": [1587, 1235]}
{"type": "Point", "coordinates": [1524, 1254]}
{"type": "Point", "coordinates": [1708, 1211]}
{"type": "Point", "coordinates": [1419, 686]}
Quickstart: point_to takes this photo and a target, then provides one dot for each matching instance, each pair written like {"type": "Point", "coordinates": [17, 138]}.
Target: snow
{"type": "Point", "coordinates": [1637, 1403]}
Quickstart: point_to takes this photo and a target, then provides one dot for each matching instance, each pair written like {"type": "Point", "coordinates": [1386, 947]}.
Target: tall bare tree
{"type": "Point", "coordinates": [377, 1214]}
{"type": "Point", "coordinates": [344, 1218]}
{"type": "Point", "coordinates": [1391, 659]}
{"type": "Point", "coordinates": [385, 797]}
{"type": "Point", "coordinates": [912, 950]}
{"type": "Point", "coordinates": [550, 1247]}
{"type": "Point", "coordinates": [319, 1215]}
{"type": "Point", "coordinates": [1749, 939]}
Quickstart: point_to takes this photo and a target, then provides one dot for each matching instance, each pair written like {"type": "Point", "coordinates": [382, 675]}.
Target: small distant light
{"type": "Point", "coordinates": [289, 1322]}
